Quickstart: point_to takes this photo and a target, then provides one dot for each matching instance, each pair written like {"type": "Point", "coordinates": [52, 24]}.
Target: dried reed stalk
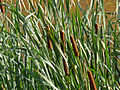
{"type": "Point", "coordinates": [92, 82]}
{"type": "Point", "coordinates": [96, 28]}
{"type": "Point", "coordinates": [62, 35]}
{"type": "Point", "coordinates": [49, 41]}
{"type": "Point", "coordinates": [1, 7]}
{"type": "Point", "coordinates": [74, 46]}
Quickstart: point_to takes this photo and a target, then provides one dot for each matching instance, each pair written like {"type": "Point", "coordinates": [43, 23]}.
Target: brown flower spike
{"type": "Point", "coordinates": [1, 7]}
{"type": "Point", "coordinates": [92, 82]}
{"type": "Point", "coordinates": [49, 41]}
{"type": "Point", "coordinates": [65, 67]}
{"type": "Point", "coordinates": [74, 46]}
{"type": "Point", "coordinates": [96, 28]}
{"type": "Point", "coordinates": [62, 35]}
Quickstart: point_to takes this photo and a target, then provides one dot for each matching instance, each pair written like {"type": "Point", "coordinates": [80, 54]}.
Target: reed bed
{"type": "Point", "coordinates": [54, 47]}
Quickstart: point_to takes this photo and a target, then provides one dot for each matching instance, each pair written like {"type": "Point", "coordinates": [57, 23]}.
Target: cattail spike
{"type": "Point", "coordinates": [62, 35]}
{"type": "Point", "coordinates": [74, 46]}
{"type": "Point", "coordinates": [49, 41]}
{"type": "Point", "coordinates": [65, 67]}
{"type": "Point", "coordinates": [92, 82]}
{"type": "Point", "coordinates": [1, 7]}
{"type": "Point", "coordinates": [96, 28]}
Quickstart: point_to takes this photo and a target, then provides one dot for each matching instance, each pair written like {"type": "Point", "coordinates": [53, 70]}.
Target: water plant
{"type": "Point", "coordinates": [48, 44]}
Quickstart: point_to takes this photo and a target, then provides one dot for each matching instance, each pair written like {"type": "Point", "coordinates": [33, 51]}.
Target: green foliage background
{"type": "Point", "coordinates": [27, 63]}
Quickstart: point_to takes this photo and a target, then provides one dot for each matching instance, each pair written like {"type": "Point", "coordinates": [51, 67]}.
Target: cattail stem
{"type": "Point", "coordinates": [49, 41]}
{"type": "Point", "coordinates": [74, 46]}
{"type": "Point", "coordinates": [62, 35]}
{"type": "Point", "coordinates": [1, 7]}
{"type": "Point", "coordinates": [92, 82]}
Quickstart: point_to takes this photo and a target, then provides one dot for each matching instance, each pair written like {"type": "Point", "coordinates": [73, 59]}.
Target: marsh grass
{"type": "Point", "coordinates": [34, 60]}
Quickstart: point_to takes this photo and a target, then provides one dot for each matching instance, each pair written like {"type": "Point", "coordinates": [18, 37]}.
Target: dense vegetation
{"type": "Point", "coordinates": [55, 48]}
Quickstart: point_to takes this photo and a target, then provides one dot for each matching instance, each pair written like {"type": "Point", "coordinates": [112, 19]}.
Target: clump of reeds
{"type": "Point", "coordinates": [74, 46]}
{"type": "Point", "coordinates": [96, 28]}
{"type": "Point", "coordinates": [1, 7]}
{"type": "Point", "coordinates": [62, 35]}
{"type": "Point", "coordinates": [49, 41]}
{"type": "Point", "coordinates": [92, 82]}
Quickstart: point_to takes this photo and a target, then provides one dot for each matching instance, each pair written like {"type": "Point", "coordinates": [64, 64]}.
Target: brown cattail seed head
{"type": "Point", "coordinates": [1, 7]}
{"type": "Point", "coordinates": [74, 46]}
{"type": "Point", "coordinates": [92, 82]}
{"type": "Point", "coordinates": [49, 41]}
{"type": "Point", "coordinates": [62, 35]}
{"type": "Point", "coordinates": [96, 28]}
{"type": "Point", "coordinates": [65, 67]}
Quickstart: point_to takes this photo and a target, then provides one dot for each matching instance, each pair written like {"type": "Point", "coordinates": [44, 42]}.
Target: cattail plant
{"type": "Point", "coordinates": [1, 7]}
{"type": "Point", "coordinates": [65, 67]}
{"type": "Point", "coordinates": [74, 46]}
{"type": "Point", "coordinates": [25, 53]}
{"type": "Point", "coordinates": [49, 41]}
{"type": "Point", "coordinates": [62, 35]}
{"type": "Point", "coordinates": [96, 28]}
{"type": "Point", "coordinates": [92, 82]}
